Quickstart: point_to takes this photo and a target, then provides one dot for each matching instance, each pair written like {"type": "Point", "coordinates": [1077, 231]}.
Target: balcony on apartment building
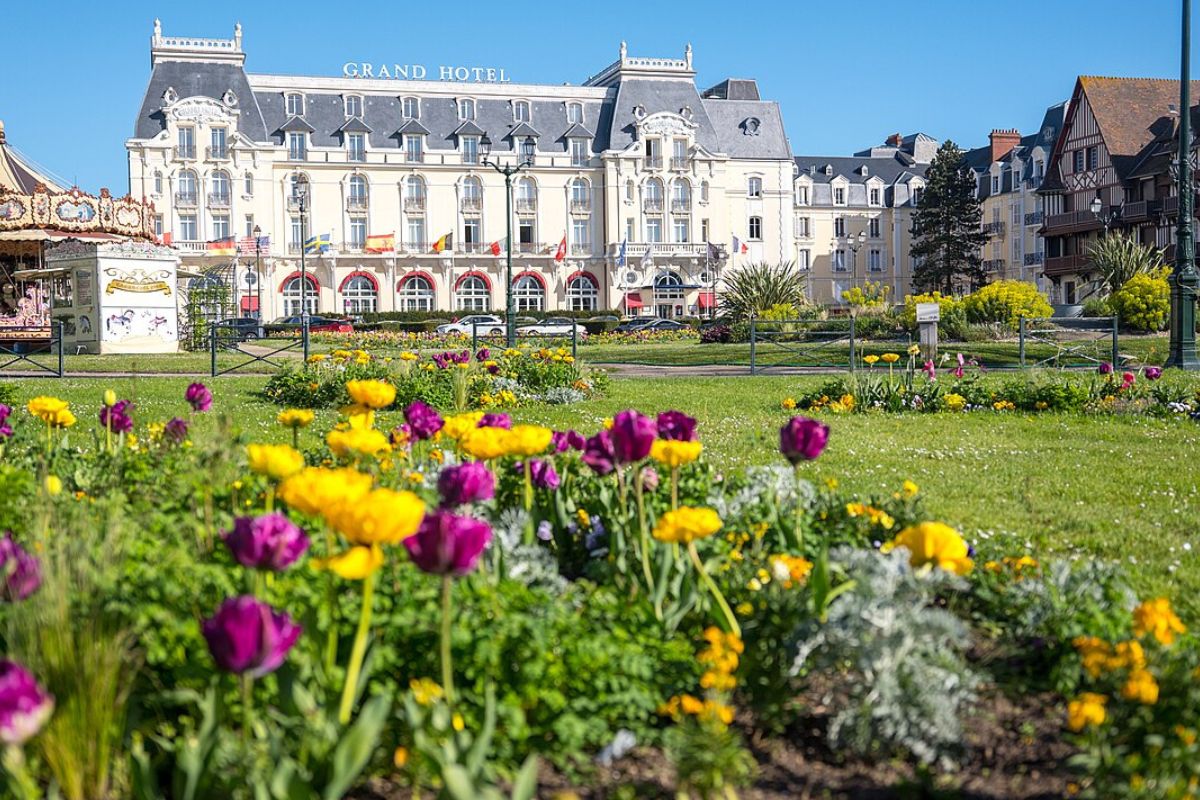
{"type": "Point", "coordinates": [994, 265]}
{"type": "Point", "coordinates": [415, 204]}
{"type": "Point", "coordinates": [472, 203]}
{"type": "Point", "coordinates": [1034, 218]}
{"type": "Point", "coordinates": [632, 249]}
{"type": "Point", "coordinates": [581, 248]}
{"type": "Point", "coordinates": [1075, 221]}
{"type": "Point", "coordinates": [652, 162]}
{"type": "Point", "coordinates": [525, 205]}
{"type": "Point", "coordinates": [679, 163]}
{"type": "Point", "coordinates": [581, 206]}
{"type": "Point", "coordinates": [681, 205]}
{"type": "Point", "coordinates": [652, 205]}
{"type": "Point", "coordinates": [219, 200]}
{"type": "Point", "coordinates": [994, 228]}
{"type": "Point", "coordinates": [1033, 259]}
{"type": "Point", "coordinates": [185, 153]}
{"type": "Point", "coordinates": [185, 199]}
{"type": "Point", "coordinates": [216, 153]}
{"type": "Point", "coordinates": [1065, 265]}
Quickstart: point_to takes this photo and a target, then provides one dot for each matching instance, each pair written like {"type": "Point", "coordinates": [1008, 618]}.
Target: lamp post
{"type": "Point", "coordinates": [855, 244]}
{"type": "Point", "coordinates": [301, 196]}
{"type": "Point", "coordinates": [1106, 219]}
{"type": "Point", "coordinates": [1181, 352]}
{"type": "Point", "coordinates": [510, 313]}
{"type": "Point", "coordinates": [258, 271]}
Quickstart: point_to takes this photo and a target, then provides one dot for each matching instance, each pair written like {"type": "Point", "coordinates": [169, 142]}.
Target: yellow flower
{"type": "Point", "coordinates": [372, 394]}
{"type": "Point", "coordinates": [954, 402]}
{"type": "Point", "coordinates": [1156, 617]}
{"type": "Point", "coordinates": [690, 705]}
{"type": "Point", "coordinates": [353, 565]}
{"type": "Point", "coordinates": [460, 425]}
{"type": "Point", "coordinates": [400, 757]}
{"type": "Point", "coordinates": [315, 488]}
{"type": "Point", "coordinates": [585, 521]}
{"type": "Point", "coordinates": [1003, 405]}
{"type": "Point", "coordinates": [381, 516]}
{"type": "Point", "coordinates": [425, 691]}
{"type": "Point", "coordinates": [53, 485]}
{"type": "Point", "coordinates": [686, 524]}
{"type": "Point", "coordinates": [276, 461]}
{"type": "Point", "coordinates": [910, 489]}
{"type": "Point", "coordinates": [871, 360]}
{"type": "Point", "coordinates": [788, 404]}
{"type": "Point", "coordinates": [110, 398]}
{"type": "Point", "coordinates": [484, 444]}
{"type": "Point", "coordinates": [456, 722]}
{"type": "Point", "coordinates": [674, 453]}
{"type": "Point", "coordinates": [607, 423]}
{"type": "Point", "coordinates": [407, 356]}
{"type": "Point", "coordinates": [52, 411]}
{"type": "Point", "coordinates": [914, 349]}
{"type": "Point", "coordinates": [295, 417]}
{"type": "Point", "coordinates": [1085, 710]}
{"type": "Point", "coordinates": [155, 430]}
{"type": "Point", "coordinates": [316, 358]}
{"type": "Point", "coordinates": [875, 516]}
{"type": "Point", "coordinates": [790, 570]}
{"type": "Point", "coordinates": [1141, 686]}
{"type": "Point", "coordinates": [529, 440]}
{"type": "Point", "coordinates": [937, 544]}
{"type": "Point", "coordinates": [364, 441]}
{"type": "Point", "coordinates": [890, 358]}
{"type": "Point", "coordinates": [1041, 405]}
{"type": "Point", "coordinates": [844, 404]}
{"type": "Point", "coordinates": [359, 416]}
{"type": "Point", "coordinates": [1186, 735]}
{"type": "Point", "coordinates": [1094, 654]}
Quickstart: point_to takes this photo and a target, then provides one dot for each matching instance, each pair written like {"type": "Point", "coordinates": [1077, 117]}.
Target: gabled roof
{"type": "Point", "coordinates": [415, 127]}
{"type": "Point", "coordinates": [468, 128]}
{"type": "Point", "coordinates": [297, 124]}
{"type": "Point", "coordinates": [1126, 108]}
{"type": "Point", "coordinates": [577, 131]}
{"type": "Point", "coordinates": [355, 125]}
{"type": "Point", "coordinates": [522, 129]}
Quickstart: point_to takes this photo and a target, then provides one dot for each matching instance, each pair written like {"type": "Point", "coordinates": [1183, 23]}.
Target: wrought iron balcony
{"type": "Point", "coordinates": [219, 200]}
{"type": "Point", "coordinates": [581, 248]}
{"type": "Point", "coordinates": [185, 199]}
{"type": "Point", "coordinates": [680, 163]}
{"type": "Point", "coordinates": [652, 162]}
{"type": "Point", "coordinates": [583, 206]}
{"type": "Point", "coordinates": [1034, 218]}
{"type": "Point", "coordinates": [994, 228]}
{"type": "Point", "coordinates": [356, 202]}
{"type": "Point", "coordinates": [185, 153]}
{"type": "Point", "coordinates": [1033, 259]}
{"type": "Point", "coordinates": [471, 203]}
{"type": "Point", "coordinates": [526, 204]}
{"type": "Point", "coordinates": [471, 247]}
{"type": "Point", "coordinates": [297, 154]}
{"type": "Point", "coordinates": [414, 156]}
{"type": "Point", "coordinates": [294, 203]}
{"type": "Point", "coordinates": [216, 153]}
{"type": "Point", "coordinates": [681, 206]}
{"type": "Point", "coordinates": [994, 265]}
{"type": "Point", "coordinates": [415, 204]}
{"type": "Point", "coordinates": [652, 205]}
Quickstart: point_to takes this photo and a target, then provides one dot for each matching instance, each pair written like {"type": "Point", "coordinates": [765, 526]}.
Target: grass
{"type": "Point", "coordinates": [1114, 487]}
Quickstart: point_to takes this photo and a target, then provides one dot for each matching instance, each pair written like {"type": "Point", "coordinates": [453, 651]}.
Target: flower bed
{"type": "Point", "coordinates": [438, 602]}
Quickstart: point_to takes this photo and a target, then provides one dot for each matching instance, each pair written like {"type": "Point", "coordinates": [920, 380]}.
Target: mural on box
{"type": "Point", "coordinates": [134, 311]}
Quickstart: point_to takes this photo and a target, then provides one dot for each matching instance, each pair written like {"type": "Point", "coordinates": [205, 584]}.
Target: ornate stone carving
{"type": "Point", "coordinates": [199, 109]}
{"type": "Point", "coordinates": [664, 123]}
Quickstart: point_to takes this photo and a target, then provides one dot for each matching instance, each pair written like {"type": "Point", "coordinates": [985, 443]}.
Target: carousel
{"type": "Point", "coordinates": [84, 272]}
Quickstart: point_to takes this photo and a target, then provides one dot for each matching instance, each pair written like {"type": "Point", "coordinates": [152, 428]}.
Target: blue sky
{"type": "Point", "coordinates": [847, 74]}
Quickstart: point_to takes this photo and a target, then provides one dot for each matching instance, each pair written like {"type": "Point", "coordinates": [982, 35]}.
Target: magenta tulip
{"type": "Point", "coordinates": [270, 541]}
{"type": "Point", "coordinates": [176, 430]}
{"type": "Point", "coordinates": [676, 425]}
{"type": "Point", "coordinates": [116, 417]}
{"type": "Point", "coordinates": [24, 705]}
{"type": "Point", "coordinates": [5, 429]}
{"type": "Point", "coordinates": [542, 474]}
{"type": "Point", "coordinates": [495, 420]}
{"type": "Point", "coordinates": [802, 439]}
{"type": "Point", "coordinates": [20, 571]}
{"type": "Point", "coordinates": [198, 397]}
{"type": "Point", "coordinates": [563, 441]}
{"type": "Point", "coordinates": [471, 482]}
{"type": "Point", "coordinates": [447, 543]}
{"type": "Point", "coordinates": [1153, 373]}
{"type": "Point", "coordinates": [632, 435]}
{"type": "Point", "coordinates": [598, 453]}
{"type": "Point", "coordinates": [423, 420]}
{"type": "Point", "coordinates": [247, 635]}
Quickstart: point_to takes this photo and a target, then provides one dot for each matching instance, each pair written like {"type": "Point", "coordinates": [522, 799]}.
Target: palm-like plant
{"type": "Point", "coordinates": [754, 288]}
{"type": "Point", "coordinates": [1119, 256]}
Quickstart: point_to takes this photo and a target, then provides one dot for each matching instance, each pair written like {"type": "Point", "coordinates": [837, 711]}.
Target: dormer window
{"type": "Point", "coordinates": [466, 108]}
{"type": "Point", "coordinates": [995, 184]}
{"type": "Point", "coordinates": [356, 147]}
{"type": "Point", "coordinates": [354, 105]}
{"type": "Point", "coordinates": [295, 105]}
{"type": "Point", "coordinates": [411, 107]}
{"type": "Point", "coordinates": [828, 169]}
{"type": "Point", "coordinates": [916, 195]}
{"type": "Point", "coordinates": [875, 196]}
{"type": "Point", "coordinates": [521, 111]}
{"type": "Point", "coordinates": [579, 152]}
{"type": "Point", "coordinates": [801, 195]}
{"type": "Point", "coordinates": [470, 149]}
{"type": "Point", "coordinates": [575, 113]}
{"type": "Point", "coordinates": [839, 195]}
{"type": "Point", "coordinates": [297, 146]}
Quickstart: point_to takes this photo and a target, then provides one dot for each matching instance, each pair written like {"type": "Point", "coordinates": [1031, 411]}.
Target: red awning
{"type": "Point", "coordinates": [707, 299]}
{"type": "Point", "coordinates": [633, 300]}
{"type": "Point", "coordinates": [249, 304]}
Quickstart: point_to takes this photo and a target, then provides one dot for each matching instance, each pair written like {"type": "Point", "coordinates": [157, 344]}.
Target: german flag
{"type": "Point", "coordinates": [444, 243]}
{"type": "Point", "coordinates": [222, 247]}
{"type": "Point", "coordinates": [382, 243]}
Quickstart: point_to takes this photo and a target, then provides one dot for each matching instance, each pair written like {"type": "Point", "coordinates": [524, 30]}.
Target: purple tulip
{"type": "Point", "coordinates": [598, 453]}
{"type": "Point", "coordinates": [563, 441]}
{"type": "Point", "coordinates": [466, 483]}
{"type": "Point", "coordinates": [676, 425]}
{"type": "Point", "coordinates": [199, 397]}
{"type": "Point", "coordinates": [176, 430]}
{"type": "Point", "coordinates": [495, 420]}
{"type": "Point", "coordinates": [802, 439]}
{"type": "Point", "coordinates": [1152, 374]}
{"type": "Point", "coordinates": [632, 435]}
{"type": "Point", "coordinates": [448, 544]}
{"type": "Point", "coordinates": [19, 569]}
{"type": "Point", "coordinates": [5, 429]}
{"type": "Point", "coordinates": [483, 355]}
{"type": "Point", "coordinates": [246, 635]}
{"type": "Point", "coordinates": [542, 474]}
{"type": "Point", "coordinates": [116, 417]}
{"type": "Point", "coordinates": [270, 541]}
{"type": "Point", "coordinates": [1106, 368]}
{"type": "Point", "coordinates": [649, 478]}
{"type": "Point", "coordinates": [423, 420]}
{"type": "Point", "coordinates": [24, 705]}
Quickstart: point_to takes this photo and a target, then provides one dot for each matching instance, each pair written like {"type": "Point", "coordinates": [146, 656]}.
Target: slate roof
{"type": "Point", "coordinates": [891, 170]}
{"type": "Point", "coordinates": [204, 80]}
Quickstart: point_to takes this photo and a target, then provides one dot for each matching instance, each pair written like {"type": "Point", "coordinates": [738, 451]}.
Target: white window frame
{"type": "Point", "coordinates": [473, 294]}
{"type": "Point", "coordinates": [404, 109]}
{"type": "Point", "coordinates": [752, 223]}
{"type": "Point", "coordinates": [350, 99]}
{"type": "Point", "coordinates": [582, 294]}
{"type": "Point", "coordinates": [357, 155]}
{"type": "Point", "coordinates": [754, 187]}
{"type": "Point", "coordinates": [467, 108]}
{"type": "Point", "coordinates": [516, 113]}
{"type": "Point", "coordinates": [416, 293]}
{"type": "Point", "coordinates": [290, 106]}
{"type": "Point", "coordinates": [359, 295]}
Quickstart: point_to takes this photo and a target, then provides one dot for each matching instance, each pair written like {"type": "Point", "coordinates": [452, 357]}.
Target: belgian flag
{"type": "Point", "coordinates": [444, 243]}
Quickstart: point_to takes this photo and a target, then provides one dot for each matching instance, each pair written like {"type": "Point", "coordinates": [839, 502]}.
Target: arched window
{"type": "Point", "coordinates": [652, 195]}
{"type": "Point", "coordinates": [580, 193]}
{"type": "Point", "coordinates": [354, 105]}
{"type": "Point", "coordinates": [299, 185]}
{"type": "Point", "coordinates": [187, 186]}
{"type": "Point", "coordinates": [295, 105]}
{"type": "Point", "coordinates": [416, 293]}
{"type": "Point", "coordinates": [575, 113]}
{"type": "Point", "coordinates": [668, 286]}
{"type": "Point", "coordinates": [466, 108]}
{"type": "Point", "coordinates": [521, 111]}
{"type": "Point", "coordinates": [472, 294]}
{"type": "Point", "coordinates": [472, 188]}
{"type": "Point", "coordinates": [359, 295]}
{"type": "Point", "coordinates": [529, 294]}
{"type": "Point", "coordinates": [681, 196]}
{"type": "Point", "coordinates": [358, 188]}
{"type": "Point", "coordinates": [291, 296]}
{"type": "Point", "coordinates": [220, 187]}
{"type": "Point", "coordinates": [704, 192]}
{"type": "Point", "coordinates": [158, 181]}
{"type": "Point", "coordinates": [582, 294]}
{"type": "Point", "coordinates": [414, 188]}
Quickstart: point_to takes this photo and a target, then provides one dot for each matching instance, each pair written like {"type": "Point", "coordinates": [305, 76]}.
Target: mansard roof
{"type": "Point", "coordinates": [200, 80]}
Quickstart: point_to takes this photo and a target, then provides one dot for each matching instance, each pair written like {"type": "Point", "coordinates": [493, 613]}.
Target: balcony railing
{"type": "Point", "coordinates": [1136, 210]}
{"type": "Point", "coordinates": [1034, 218]}
{"type": "Point", "coordinates": [1073, 219]}
{"type": "Point", "coordinates": [185, 153]}
{"type": "Point", "coordinates": [530, 247]}
{"type": "Point", "coordinates": [679, 163]}
{"type": "Point", "coordinates": [652, 162]}
{"type": "Point", "coordinates": [994, 228]}
{"type": "Point", "coordinates": [218, 201]}
{"type": "Point", "coordinates": [415, 246]}
{"type": "Point", "coordinates": [216, 153]}
{"type": "Point", "coordinates": [471, 203]}
{"type": "Point", "coordinates": [294, 203]}
{"type": "Point", "coordinates": [185, 199]}
{"type": "Point", "coordinates": [356, 202]}
{"type": "Point", "coordinates": [581, 248]}
{"type": "Point", "coordinates": [1062, 265]}
{"type": "Point", "coordinates": [652, 204]}
{"type": "Point", "coordinates": [660, 249]}
{"type": "Point", "coordinates": [415, 204]}
{"type": "Point", "coordinates": [1033, 259]}
{"type": "Point", "coordinates": [297, 154]}
{"type": "Point", "coordinates": [471, 247]}
{"type": "Point", "coordinates": [994, 265]}
{"type": "Point", "coordinates": [1171, 206]}
{"type": "Point", "coordinates": [526, 204]}
{"type": "Point", "coordinates": [681, 206]}
{"type": "Point", "coordinates": [581, 206]}
{"type": "Point", "coordinates": [414, 156]}
{"type": "Point", "coordinates": [190, 245]}
{"type": "Point", "coordinates": [357, 156]}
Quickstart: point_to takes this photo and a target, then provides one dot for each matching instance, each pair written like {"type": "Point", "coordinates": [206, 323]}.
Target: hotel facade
{"type": "Point", "coordinates": [638, 183]}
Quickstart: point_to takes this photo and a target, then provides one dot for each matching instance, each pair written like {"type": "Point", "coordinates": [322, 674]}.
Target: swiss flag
{"type": "Point", "coordinates": [561, 252]}
{"type": "Point", "coordinates": [495, 248]}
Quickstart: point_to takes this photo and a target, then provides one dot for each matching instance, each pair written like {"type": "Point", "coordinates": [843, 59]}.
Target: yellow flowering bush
{"type": "Point", "coordinates": [1144, 301]}
{"type": "Point", "coordinates": [954, 402]}
{"type": "Point", "coordinates": [1086, 710]}
{"type": "Point", "coordinates": [1156, 618]}
{"type": "Point", "coordinates": [1006, 302]}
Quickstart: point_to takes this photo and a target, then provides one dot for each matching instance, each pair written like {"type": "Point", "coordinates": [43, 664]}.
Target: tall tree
{"type": "Point", "coordinates": [946, 232]}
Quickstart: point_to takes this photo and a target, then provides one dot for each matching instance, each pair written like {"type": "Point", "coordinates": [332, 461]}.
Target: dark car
{"type": "Point", "coordinates": [240, 328]}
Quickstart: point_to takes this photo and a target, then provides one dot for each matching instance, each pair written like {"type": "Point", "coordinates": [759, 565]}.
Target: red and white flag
{"type": "Point", "coordinates": [561, 252]}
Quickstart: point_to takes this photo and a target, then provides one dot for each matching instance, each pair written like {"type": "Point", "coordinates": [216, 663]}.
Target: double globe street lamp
{"type": "Point", "coordinates": [508, 171]}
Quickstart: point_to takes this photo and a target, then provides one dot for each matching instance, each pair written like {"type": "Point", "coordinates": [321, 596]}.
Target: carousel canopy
{"type": "Point", "coordinates": [18, 174]}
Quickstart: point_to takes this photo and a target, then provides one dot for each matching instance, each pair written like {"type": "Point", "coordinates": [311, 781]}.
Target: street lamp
{"type": "Point", "coordinates": [300, 194]}
{"type": "Point", "coordinates": [1185, 283]}
{"type": "Point", "coordinates": [258, 271]}
{"type": "Point", "coordinates": [855, 244]}
{"type": "Point", "coordinates": [1097, 206]}
{"type": "Point", "coordinates": [510, 314]}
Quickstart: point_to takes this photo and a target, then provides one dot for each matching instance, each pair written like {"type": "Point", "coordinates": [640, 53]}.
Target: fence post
{"type": "Point", "coordinates": [753, 335]}
{"type": "Point", "coordinates": [474, 337]}
{"type": "Point", "coordinates": [1021, 341]}
{"type": "Point", "coordinates": [60, 348]}
{"type": "Point", "coordinates": [212, 348]}
{"type": "Point", "coordinates": [853, 359]}
{"type": "Point", "coordinates": [1116, 354]}
{"type": "Point", "coordinates": [574, 340]}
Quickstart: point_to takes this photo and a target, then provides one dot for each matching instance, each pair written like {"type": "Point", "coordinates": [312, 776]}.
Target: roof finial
{"type": "Point", "coordinates": [624, 50]}
{"type": "Point", "coordinates": [687, 55]}
{"type": "Point", "coordinates": [157, 28]}
{"type": "Point", "coordinates": [237, 34]}
{"type": "Point", "coordinates": [1, 131]}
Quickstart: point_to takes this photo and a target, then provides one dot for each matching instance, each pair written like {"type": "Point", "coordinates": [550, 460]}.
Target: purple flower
{"type": "Point", "coordinates": [271, 541]}
{"type": "Point", "coordinates": [466, 483]}
{"type": "Point", "coordinates": [246, 635]}
{"type": "Point", "coordinates": [930, 370]}
{"type": "Point", "coordinates": [483, 355]}
{"type": "Point", "coordinates": [632, 434]}
{"type": "Point", "coordinates": [567, 440]}
{"type": "Point", "coordinates": [400, 436]}
{"type": "Point", "coordinates": [1105, 368]}
{"type": "Point", "coordinates": [448, 544]}
{"type": "Point", "coordinates": [598, 453]}
{"type": "Point", "coordinates": [802, 439]}
{"type": "Point", "coordinates": [5, 429]}
{"type": "Point", "coordinates": [495, 420]}
{"type": "Point", "coordinates": [176, 430]}
{"type": "Point", "coordinates": [1152, 374]}
{"type": "Point", "coordinates": [199, 397]}
{"type": "Point", "coordinates": [116, 417]}
{"type": "Point", "coordinates": [542, 474]}
{"type": "Point", "coordinates": [19, 569]}
{"type": "Point", "coordinates": [545, 531]}
{"type": "Point", "coordinates": [425, 422]}
{"type": "Point", "coordinates": [24, 705]}
{"type": "Point", "coordinates": [676, 425]}
{"type": "Point", "coordinates": [649, 478]}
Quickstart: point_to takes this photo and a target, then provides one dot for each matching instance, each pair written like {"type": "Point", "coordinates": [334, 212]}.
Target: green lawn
{"type": "Point", "coordinates": [1118, 487]}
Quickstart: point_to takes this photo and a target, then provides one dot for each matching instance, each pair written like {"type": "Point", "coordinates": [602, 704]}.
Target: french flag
{"type": "Point", "coordinates": [739, 246]}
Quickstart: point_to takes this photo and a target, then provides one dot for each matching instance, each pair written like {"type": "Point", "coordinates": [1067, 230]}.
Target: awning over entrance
{"type": "Point", "coordinates": [633, 300]}
{"type": "Point", "coordinates": [707, 300]}
{"type": "Point", "coordinates": [249, 304]}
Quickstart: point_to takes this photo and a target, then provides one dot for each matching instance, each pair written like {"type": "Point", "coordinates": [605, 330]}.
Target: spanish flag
{"type": "Point", "coordinates": [383, 243]}
{"type": "Point", "coordinates": [222, 247]}
{"type": "Point", "coordinates": [444, 243]}
{"type": "Point", "coordinates": [498, 245]}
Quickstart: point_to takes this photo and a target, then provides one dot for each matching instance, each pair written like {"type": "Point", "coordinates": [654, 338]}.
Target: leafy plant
{"type": "Point", "coordinates": [1144, 301]}
{"type": "Point", "coordinates": [1119, 257]}
{"type": "Point", "coordinates": [754, 288]}
{"type": "Point", "coordinates": [1006, 302]}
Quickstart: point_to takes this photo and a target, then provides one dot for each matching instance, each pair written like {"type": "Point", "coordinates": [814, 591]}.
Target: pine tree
{"type": "Point", "coordinates": [946, 226]}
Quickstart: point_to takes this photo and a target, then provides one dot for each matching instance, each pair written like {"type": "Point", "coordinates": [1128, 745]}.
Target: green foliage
{"type": "Point", "coordinates": [946, 226]}
{"type": "Point", "coordinates": [709, 758]}
{"type": "Point", "coordinates": [1119, 257]}
{"type": "Point", "coordinates": [1143, 302]}
{"type": "Point", "coordinates": [8, 394]}
{"type": "Point", "coordinates": [754, 288]}
{"type": "Point", "coordinates": [1006, 302]}
{"type": "Point", "coordinates": [953, 316]}
{"type": "Point", "coordinates": [868, 298]}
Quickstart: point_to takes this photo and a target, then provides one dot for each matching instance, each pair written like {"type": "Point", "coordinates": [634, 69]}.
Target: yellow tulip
{"type": "Point", "coordinates": [354, 565]}
{"type": "Point", "coordinates": [373, 394]}
{"type": "Point", "coordinates": [316, 488]}
{"type": "Point", "coordinates": [382, 516]}
{"type": "Point", "coordinates": [276, 461]}
{"type": "Point", "coordinates": [686, 524]}
{"type": "Point", "coordinates": [937, 544]}
{"type": "Point", "coordinates": [295, 417]}
{"type": "Point", "coordinates": [674, 453]}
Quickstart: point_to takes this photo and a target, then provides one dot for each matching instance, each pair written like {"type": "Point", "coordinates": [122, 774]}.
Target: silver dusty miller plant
{"type": "Point", "coordinates": [908, 683]}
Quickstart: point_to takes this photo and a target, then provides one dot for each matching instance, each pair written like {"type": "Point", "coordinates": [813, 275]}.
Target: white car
{"type": "Point", "coordinates": [553, 326]}
{"type": "Point", "coordinates": [481, 324]}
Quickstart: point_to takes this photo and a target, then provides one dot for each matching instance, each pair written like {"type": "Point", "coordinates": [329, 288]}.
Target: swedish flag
{"type": "Point", "coordinates": [317, 244]}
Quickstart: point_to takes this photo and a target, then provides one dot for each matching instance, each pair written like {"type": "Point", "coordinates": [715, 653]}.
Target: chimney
{"type": "Point", "coordinates": [1003, 141]}
{"type": "Point", "coordinates": [893, 140]}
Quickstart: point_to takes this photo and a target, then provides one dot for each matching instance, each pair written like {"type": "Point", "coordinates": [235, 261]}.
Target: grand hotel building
{"type": "Point", "coordinates": [635, 154]}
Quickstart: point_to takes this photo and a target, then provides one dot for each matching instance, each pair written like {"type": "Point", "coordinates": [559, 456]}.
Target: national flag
{"type": "Point", "coordinates": [713, 253]}
{"type": "Point", "coordinates": [739, 246]}
{"type": "Point", "coordinates": [498, 245]}
{"type": "Point", "coordinates": [221, 247]}
{"type": "Point", "coordinates": [444, 243]}
{"type": "Point", "coordinates": [622, 258]}
{"type": "Point", "coordinates": [380, 243]}
{"type": "Point", "coordinates": [561, 252]}
{"type": "Point", "coordinates": [167, 238]}
{"type": "Point", "coordinates": [254, 246]}
{"type": "Point", "coordinates": [648, 256]}
{"type": "Point", "coordinates": [317, 244]}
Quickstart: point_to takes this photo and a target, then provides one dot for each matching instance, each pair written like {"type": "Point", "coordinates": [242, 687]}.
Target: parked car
{"type": "Point", "coordinates": [554, 326]}
{"type": "Point", "coordinates": [316, 324]}
{"type": "Point", "coordinates": [482, 324]}
{"type": "Point", "coordinates": [650, 324]}
{"type": "Point", "coordinates": [240, 328]}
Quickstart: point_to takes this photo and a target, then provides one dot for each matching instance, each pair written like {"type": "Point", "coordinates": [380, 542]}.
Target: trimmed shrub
{"type": "Point", "coordinates": [1006, 302]}
{"type": "Point", "coordinates": [953, 323]}
{"type": "Point", "coordinates": [1144, 302]}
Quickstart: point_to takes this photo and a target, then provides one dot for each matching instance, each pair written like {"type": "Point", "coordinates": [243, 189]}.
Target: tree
{"type": "Point", "coordinates": [1118, 257]}
{"type": "Point", "coordinates": [946, 231]}
{"type": "Point", "coordinates": [754, 288]}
